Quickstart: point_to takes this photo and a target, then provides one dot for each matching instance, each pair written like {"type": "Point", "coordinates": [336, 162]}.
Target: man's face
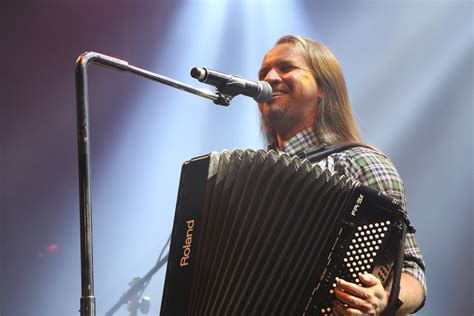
{"type": "Point", "coordinates": [295, 91]}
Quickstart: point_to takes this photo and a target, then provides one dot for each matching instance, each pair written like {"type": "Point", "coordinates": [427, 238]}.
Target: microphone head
{"type": "Point", "coordinates": [265, 92]}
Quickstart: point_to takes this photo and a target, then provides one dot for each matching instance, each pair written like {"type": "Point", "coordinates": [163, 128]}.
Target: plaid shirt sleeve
{"type": "Point", "coordinates": [375, 170]}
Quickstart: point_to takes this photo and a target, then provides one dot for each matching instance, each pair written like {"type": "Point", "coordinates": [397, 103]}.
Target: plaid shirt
{"type": "Point", "coordinates": [371, 168]}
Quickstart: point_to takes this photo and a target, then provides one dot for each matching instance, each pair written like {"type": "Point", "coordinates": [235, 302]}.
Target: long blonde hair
{"type": "Point", "coordinates": [335, 123]}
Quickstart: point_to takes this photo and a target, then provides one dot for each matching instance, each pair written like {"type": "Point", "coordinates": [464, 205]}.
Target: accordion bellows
{"type": "Point", "coordinates": [263, 233]}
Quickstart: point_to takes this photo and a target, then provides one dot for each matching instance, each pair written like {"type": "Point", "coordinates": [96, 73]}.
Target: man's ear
{"type": "Point", "coordinates": [320, 93]}
{"type": "Point", "coordinates": [320, 97]}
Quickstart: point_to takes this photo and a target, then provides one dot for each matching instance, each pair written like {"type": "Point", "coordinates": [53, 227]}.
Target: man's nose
{"type": "Point", "coordinates": [272, 76]}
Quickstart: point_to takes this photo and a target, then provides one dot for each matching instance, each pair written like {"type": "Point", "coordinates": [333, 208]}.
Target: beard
{"type": "Point", "coordinates": [275, 115]}
{"type": "Point", "coordinates": [270, 120]}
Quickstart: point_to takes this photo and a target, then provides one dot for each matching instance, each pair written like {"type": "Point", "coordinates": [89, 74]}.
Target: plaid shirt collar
{"type": "Point", "coordinates": [303, 141]}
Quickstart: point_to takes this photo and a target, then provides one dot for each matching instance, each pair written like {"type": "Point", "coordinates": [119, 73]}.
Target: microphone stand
{"type": "Point", "coordinates": [87, 303]}
{"type": "Point", "coordinates": [137, 286]}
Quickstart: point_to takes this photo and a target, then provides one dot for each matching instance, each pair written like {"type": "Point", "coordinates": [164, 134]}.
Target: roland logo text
{"type": "Point", "coordinates": [187, 243]}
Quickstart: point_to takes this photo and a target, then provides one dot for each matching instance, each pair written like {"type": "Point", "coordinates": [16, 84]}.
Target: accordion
{"type": "Point", "coordinates": [263, 233]}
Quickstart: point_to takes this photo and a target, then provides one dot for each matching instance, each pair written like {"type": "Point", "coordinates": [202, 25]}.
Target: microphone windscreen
{"type": "Point", "coordinates": [266, 92]}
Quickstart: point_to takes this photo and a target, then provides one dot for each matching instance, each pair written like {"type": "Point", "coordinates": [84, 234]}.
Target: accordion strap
{"type": "Point", "coordinates": [394, 302]}
{"type": "Point", "coordinates": [323, 151]}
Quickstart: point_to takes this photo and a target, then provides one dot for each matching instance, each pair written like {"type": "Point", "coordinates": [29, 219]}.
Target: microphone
{"type": "Point", "coordinates": [260, 91]}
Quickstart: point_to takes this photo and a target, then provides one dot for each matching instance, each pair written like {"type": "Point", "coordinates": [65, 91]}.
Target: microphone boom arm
{"type": "Point", "coordinates": [87, 303]}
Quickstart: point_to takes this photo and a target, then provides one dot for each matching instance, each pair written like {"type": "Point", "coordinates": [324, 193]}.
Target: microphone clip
{"type": "Point", "coordinates": [223, 98]}
{"type": "Point", "coordinates": [226, 91]}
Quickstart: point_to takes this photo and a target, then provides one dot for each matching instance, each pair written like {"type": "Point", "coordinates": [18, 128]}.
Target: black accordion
{"type": "Point", "coordinates": [263, 233]}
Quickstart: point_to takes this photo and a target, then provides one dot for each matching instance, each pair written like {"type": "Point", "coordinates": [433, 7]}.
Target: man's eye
{"type": "Point", "coordinates": [287, 68]}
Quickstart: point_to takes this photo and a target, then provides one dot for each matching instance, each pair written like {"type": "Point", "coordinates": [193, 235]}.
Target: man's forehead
{"type": "Point", "coordinates": [282, 52]}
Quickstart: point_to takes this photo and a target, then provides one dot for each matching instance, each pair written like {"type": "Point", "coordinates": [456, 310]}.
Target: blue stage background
{"type": "Point", "coordinates": [409, 70]}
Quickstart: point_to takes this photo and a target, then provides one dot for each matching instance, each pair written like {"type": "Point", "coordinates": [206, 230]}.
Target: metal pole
{"type": "Point", "coordinates": [87, 279]}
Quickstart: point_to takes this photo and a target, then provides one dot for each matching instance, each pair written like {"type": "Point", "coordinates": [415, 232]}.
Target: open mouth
{"type": "Point", "coordinates": [278, 93]}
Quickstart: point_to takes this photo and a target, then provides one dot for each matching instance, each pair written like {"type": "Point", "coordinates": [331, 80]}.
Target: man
{"type": "Point", "coordinates": [309, 108]}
